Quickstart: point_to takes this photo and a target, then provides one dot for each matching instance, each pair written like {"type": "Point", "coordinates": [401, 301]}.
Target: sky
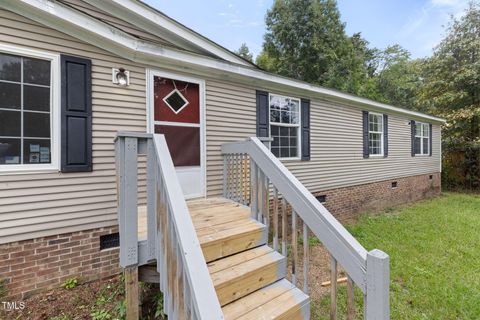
{"type": "Point", "coordinates": [417, 25]}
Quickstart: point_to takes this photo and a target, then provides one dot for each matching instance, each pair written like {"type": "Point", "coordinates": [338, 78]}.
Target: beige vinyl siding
{"type": "Point", "coordinates": [336, 142]}
{"type": "Point", "coordinates": [39, 204]}
{"type": "Point", "coordinates": [230, 116]}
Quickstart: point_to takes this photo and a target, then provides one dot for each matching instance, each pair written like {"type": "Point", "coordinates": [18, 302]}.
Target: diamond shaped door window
{"type": "Point", "coordinates": [176, 101]}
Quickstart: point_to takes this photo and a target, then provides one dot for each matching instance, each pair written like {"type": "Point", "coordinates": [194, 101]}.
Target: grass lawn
{"type": "Point", "coordinates": [434, 249]}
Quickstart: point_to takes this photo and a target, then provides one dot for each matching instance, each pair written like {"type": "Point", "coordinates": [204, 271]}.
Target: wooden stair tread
{"type": "Point", "coordinates": [240, 274]}
{"type": "Point", "coordinates": [198, 209]}
{"type": "Point", "coordinates": [226, 229]}
{"type": "Point", "coordinates": [214, 219]}
{"type": "Point", "coordinates": [237, 259]}
{"type": "Point", "coordinates": [280, 300]}
{"type": "Point", "coordinates": [199, 205]}
{"type": "Point", "coordinates": [230, 238]}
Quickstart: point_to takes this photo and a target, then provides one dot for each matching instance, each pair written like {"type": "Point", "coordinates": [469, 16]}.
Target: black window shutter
{"type": "Point", "coordinates": [430, 139]}
{"type": "Point", "coordinates": [76, 114]}
{"type": "Point", "coordinates": [366, 152]}
{"type": "Point", "coordinates": [262, 114]}
{"type": "Point", "coordinates": [305, 130]}
{"type": "Point", "coordinates": [412, 129]}
{"type": "Point", "coordinates": [385, 135]}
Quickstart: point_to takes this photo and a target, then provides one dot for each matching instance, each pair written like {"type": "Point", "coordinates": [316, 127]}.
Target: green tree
{"type": "Point", "coordinates": [398, 78]}
{"type": "Point", "coordinates": [452, 76]}
{"type": "Point", "coordinates": [244, 52]}
{"type": "Point", "coordinates": [452, 86]}
{"type": "Point", "coordinates": [306, 40]}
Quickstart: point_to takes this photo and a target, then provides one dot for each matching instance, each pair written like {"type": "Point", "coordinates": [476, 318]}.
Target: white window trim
{"type": "Point", "coordinates": [382, 135]}
{"type": "Point", "coordinates": [54, 111]}
{"type": "Point", "coordinates": [299, 125]}
{"type": "Point", "coordinates": [421, 136]}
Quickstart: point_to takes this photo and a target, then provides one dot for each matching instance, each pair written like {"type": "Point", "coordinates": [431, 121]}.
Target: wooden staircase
{"type": "Point", "coordinates": [212, 255]}
{"type": "Point", "coordinates": [248, 275]}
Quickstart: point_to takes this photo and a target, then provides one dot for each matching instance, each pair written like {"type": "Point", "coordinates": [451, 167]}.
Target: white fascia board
{"type": "Point", "coordinates": [118, 42]}
{"type": "Point", "coordinates": [93, 31]}
{"type": "Point", "coordinates": [64, 19]}
{"type": "Point", "coordinates": [150, 20]}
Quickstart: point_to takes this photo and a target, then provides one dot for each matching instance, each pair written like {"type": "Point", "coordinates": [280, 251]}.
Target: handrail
{"type": "Point", "coordinates": [345, 248]}
{"type": "Point", "coordinates": [204, 295]}
{"type": "Point", "coordinates": [184, 277]}
{"type": "Point", "coordinates": [369, 270]}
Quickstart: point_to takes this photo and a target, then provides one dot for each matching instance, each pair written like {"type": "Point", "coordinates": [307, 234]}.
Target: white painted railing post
{"type": "Point", "coordinates": [377, 301]}
{"type": "Point", "coordinates": [127, 168]}
{"type": "Point", "coordinates": [151, 200]}
{"type": "Point", "coordinates": [128, 200]}
{"type": "Point", "coordinates": [253, 189]}
{"type": "Point", "coordinates": [225, 176]}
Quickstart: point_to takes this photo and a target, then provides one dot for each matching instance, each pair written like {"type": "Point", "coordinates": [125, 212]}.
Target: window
{"type": "Point", "coordinates": [26, 109]}
{"type": "Point", "coordinates": [176, 101]}
{"type": "Point", "coordinates": [422, 137]}
{"type": "Point", "coordinates": [375, 134]}
{"type": "Point", "coordinates": [284, 126]}
{"type": "Point", "coordinates": [108, 241]}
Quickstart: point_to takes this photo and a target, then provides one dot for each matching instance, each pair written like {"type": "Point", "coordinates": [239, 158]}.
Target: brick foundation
{"type": "Point", "coordinates": [30, 266]}
{"type": "Point", "coordinates": [346, 203]}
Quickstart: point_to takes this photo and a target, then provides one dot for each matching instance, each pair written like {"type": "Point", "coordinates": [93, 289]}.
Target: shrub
{"type": "Point", "coordinates": [100, 315]}
{"type": "Point", "coordinates": [70, 283]}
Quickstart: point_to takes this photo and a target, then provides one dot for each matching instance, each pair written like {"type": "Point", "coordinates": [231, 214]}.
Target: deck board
{"type": "Point", "coordinates": [205, 213]}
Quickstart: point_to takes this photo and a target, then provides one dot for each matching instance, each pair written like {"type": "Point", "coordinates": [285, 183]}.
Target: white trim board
{"type": "Point", "coordinates": [93, 31]}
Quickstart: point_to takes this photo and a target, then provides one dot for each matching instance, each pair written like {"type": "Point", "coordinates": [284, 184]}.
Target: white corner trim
{"type": "Point", "coordinates": [93, 31]}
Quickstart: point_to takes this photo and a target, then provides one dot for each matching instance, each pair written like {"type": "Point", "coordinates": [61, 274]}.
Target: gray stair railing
{"type": "Point", "coordinates": [171, 238]}
{"type": "Point", "coordinates": [254, 176]}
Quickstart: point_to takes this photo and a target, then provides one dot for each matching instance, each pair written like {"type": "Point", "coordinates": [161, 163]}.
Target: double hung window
{"type": "Point", "coordinates": [422, 138]}
{"type": "Point", "coordinates": [375, 134]}
{"type": "Point", "coordinates": [285, 126]}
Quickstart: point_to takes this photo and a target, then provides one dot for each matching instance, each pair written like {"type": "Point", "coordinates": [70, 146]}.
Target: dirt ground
{"type": "Point", "coordinates": [99, 300]}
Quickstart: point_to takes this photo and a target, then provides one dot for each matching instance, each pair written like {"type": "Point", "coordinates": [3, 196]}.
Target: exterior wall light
{"type": "Point", "coordinates": [121, 77]}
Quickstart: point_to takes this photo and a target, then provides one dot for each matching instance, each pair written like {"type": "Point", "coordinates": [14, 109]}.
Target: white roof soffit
{"type": "Point", "coordinates": [90, 30]}
{"type": "Point", "coordinates": [155, 22]}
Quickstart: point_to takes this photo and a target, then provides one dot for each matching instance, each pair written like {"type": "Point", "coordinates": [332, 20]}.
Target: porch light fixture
{"type": "Point", "coordinates": [121, 77]}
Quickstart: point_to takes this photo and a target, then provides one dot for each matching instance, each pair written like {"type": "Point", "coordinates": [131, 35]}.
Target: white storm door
{"type": "Point", "coordinates": [178, 114]}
